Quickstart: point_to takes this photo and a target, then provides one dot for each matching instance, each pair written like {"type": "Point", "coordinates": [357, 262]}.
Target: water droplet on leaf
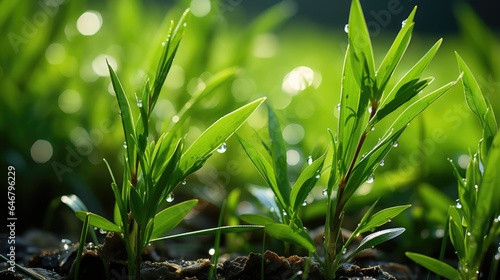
{"type": "Point", "coordinates": [222, 148]}
{"type": "Point", "coordinates": [139, 103]}
{"type": "Point", "coordinates": [304, 203]}
{"type": "Point", "coordinates": [324, 192]}
{"type": "Point", "coordinates": [395, 144]}
{"type": "Point", "coordinates": [382, 163]}
{"type": "Point", "coordinates": [458, 205]}
{"type": "Point", "coordinates": [125, 145]}
{"type": "Point", "coordinates": [346, 28]}
{"type": "Point", "coordinates": [309, 160]}
{"type": "Point", "coordinates": [170, 197]}
{"type": "Point", "coordinates": [102, 231]}
{"type": "Point", "coordinates": [403, 23]}
{"type": "Point", "coordinates": [211, 252]}
{"type": "Point", "coordinates": [370, 179]}
{"type": "Point", "coordinates": [184, 182]}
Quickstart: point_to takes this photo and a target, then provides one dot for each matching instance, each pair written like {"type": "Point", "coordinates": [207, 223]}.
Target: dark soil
{"type": "Point", "coordinates": [108, 261]}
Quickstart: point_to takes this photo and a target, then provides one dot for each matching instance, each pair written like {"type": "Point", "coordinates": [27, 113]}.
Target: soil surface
{"type": "Point", "coordinates": [108, 261]}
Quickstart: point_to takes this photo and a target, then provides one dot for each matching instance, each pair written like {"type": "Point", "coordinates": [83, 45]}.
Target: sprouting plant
{"type": "Point", "coordinates": [366, 99]}
{"type": "Point", "coordinates": [154, 168]}
{"type": "Point", "coordinates": [474, 222]}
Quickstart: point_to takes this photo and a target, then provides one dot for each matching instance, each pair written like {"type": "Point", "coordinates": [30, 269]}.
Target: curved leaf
{"type": "Point", "coordinates": [222, 230]}
{"type": "Point", "coordinates": [286, 233]}
{"type": "Point", "coordinates": [306, 181]}
{"type": "Point", "coordinates": [376, 238]}
{"type": "Point", "coordinates": [434, 265]}
{"type": "Point", "coordinates": [98, 221]}
{"type": "Point", "coordinates": [214, 136]}
{"type": "Point", "coordinates": [256, 219]}
{"type": "Point", "coordinates": [382, 217]}
{"type": "Point", "coordinates": [170, 217]}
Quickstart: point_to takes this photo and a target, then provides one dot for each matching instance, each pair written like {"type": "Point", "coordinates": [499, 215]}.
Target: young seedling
{"type": "Point", "coordinates": [474, 222]}
{"type": "Point", "coordinates": [154, 168]}
{"type": "Point", "coordinates": [366, 100]}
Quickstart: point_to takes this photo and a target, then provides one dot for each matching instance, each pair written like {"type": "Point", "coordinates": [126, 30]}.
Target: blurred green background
{"type": "Point", "coordinates": [59, 117]}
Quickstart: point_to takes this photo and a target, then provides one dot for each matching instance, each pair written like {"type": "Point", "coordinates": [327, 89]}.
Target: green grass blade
{"type": "Point", "coordinates": [256, 219]}
{"type": "Point", "coordinates": [457, 233]}
{"type": "Point", "coordinates": [404, 94]}
{"type": "Point", "coordinates": [278, 152]}
{"type": "Point", "coordinates": [170, 217]}
{"type": "Point", "coordinates": [376, 238]}
{"type": "Point", "coordinates": [489, 191]}
{"type": "Point", "coordinates": [264, 168]}
{"type": "Point", "coordinates": [382, 217]}
{"type": "Point", "coordinates": [396, 52]}
{"type": "Point", "coordinates": [285, 233]}
{"type": "Point", "coordinates": [83, 237]}
{"type": "Point", "coordinates": [24, 270]}
{"type": "Point", "coordinates": [412, 75]}
{"type": "Point", "coordinates": [306, 181]}
{"type": "Point", "coordinates": [213, 137]}
{"type": "Point", "coordinates": [478, 105]}
{"type": "Point", "coordinates": [98, 221]}
{"type": "Point", "coordinates": [127, 120]}
{"type": "Point", "coordinates": [417, 107]}
{"type": "Point", "coordinates": [170, 48]}
{"type": "Point", "coordinates": [365, 168]}
{"type": "Point", "coordinates": [434, 265]}
{"type": "Point", "coordinates": [137, 206]}
{"type": "Point", "coordinates": [210, 231]}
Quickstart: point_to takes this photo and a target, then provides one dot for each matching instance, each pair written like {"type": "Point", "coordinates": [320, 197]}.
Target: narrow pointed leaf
{"type": "Point", "coordinates": [73, 202]}
{"type": "Point", "coordinates": [137, 206]}
{"type": "Point", "coordinates": [256, 219]}
{"type": "Point", "coordinates": [278, 152]}
{"type": "Point", "coordinates": [211, 231]}
{"type": "Point", "coordinates": [376, 238]}
{"type": "Point", "coordinates": [286, 233]}
{"type": "Point", "coordinates": [98, 221]}
{"type": "Point", "coordinates": [382, 217]}
{"type": "Point", "coordinates": [434, 265]}
{"type": "Point", "coordinates": [489, 190]}
{"type": "Point", "coordinates": [395, 53]}
{"type": "Point", "coordinates": [264, 168]}
{"type": "Point", "coordinates": [214, 136]}
{"type": "Point", "coordinates": [306, 181]}
{"type": "Point", "coordinates": [127, 119]}
{"type": "Point", "coordinates": [170, 217]}
{"type": "Point", "coordinates": [477, 103]}
{"type": "Point", "coordinates": [412, 75]}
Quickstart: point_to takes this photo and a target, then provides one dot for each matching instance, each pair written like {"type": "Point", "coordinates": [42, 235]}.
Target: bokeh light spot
{"type": "Point", "coordinates": [41, 151]}
{"type": "Point", "coordinates": [297, 80]}
{"type": "Point", "coordinates": [292, 157]}
{"type": "Point", "coordinates": [89, 23]}
{"type": "Point", "coordinates": [70, 101]}
{"type": "Point", "coordinates": [200, 8]}
{"type": "Point", "coordinates": [55, 54]}
{"type": "Point", "coordinates": [100, 67]}
{"type": "Point", "coordinates": [293, 133]}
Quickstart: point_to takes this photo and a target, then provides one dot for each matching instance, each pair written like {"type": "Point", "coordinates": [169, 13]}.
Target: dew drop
{"type": "Point", "coordinates": [458, 205]}
{"type": "Point", "coordinates": [403, 23]}
{"type": "Point", "coordinates": [476, 187]}
{"type": "Point", "coordinates": [389, 220]}
{"type": "Point", "coordinates": [309, 160]}
{"type": "Point", "coordinates": [304, 203]}
{"type": "Point", "coordinates": [468, 233]}
{"type": "Point", "coordinates": [170, 197]}
{"type": "Point", "coordinates": [66, 244]}
{"type": "Point", "coordinates": [325, 192]}
{"type": "Point", "coordinates": [395, 144]}
{"type": "Point", "coordinates": [125, 145]}
{"type": "Point", "coordinates": [338, 106]}
{"type": "Point", "coordinates": [163, 44]}
{"type": "Point", "coordinates": [370, 179]}
{"type": "Point", "coordinates": [90, 245]}
{"type": "Point", "coordinates": [370, 109]}
{"type": "Point", "coordinates": [184, 182]}
{"type": "Point", "coordinates": [271, 209]}
{"type": "Point", "coordinates": [139, 103]}
{"type": "Point", "coordinates": [372, 128]}
{"type": "Point", "coordinates": [102, 231]}
{"type": "Point", "coordinates": [211, 252]}
{"type": "Point", "coordinates": [222, 148]}
{"type": "Point", "coordinates": [346, 28]}
{"type": "Point", "coordinates": [382, 163]}
{"type": "Point", "coordinates": [344, 251]}
{"type": "Point", "coordinates": [318, 174]}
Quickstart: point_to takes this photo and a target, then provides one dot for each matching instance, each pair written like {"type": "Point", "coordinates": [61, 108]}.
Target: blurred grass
{"type": "Point", "coordinates": [43, 56]}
